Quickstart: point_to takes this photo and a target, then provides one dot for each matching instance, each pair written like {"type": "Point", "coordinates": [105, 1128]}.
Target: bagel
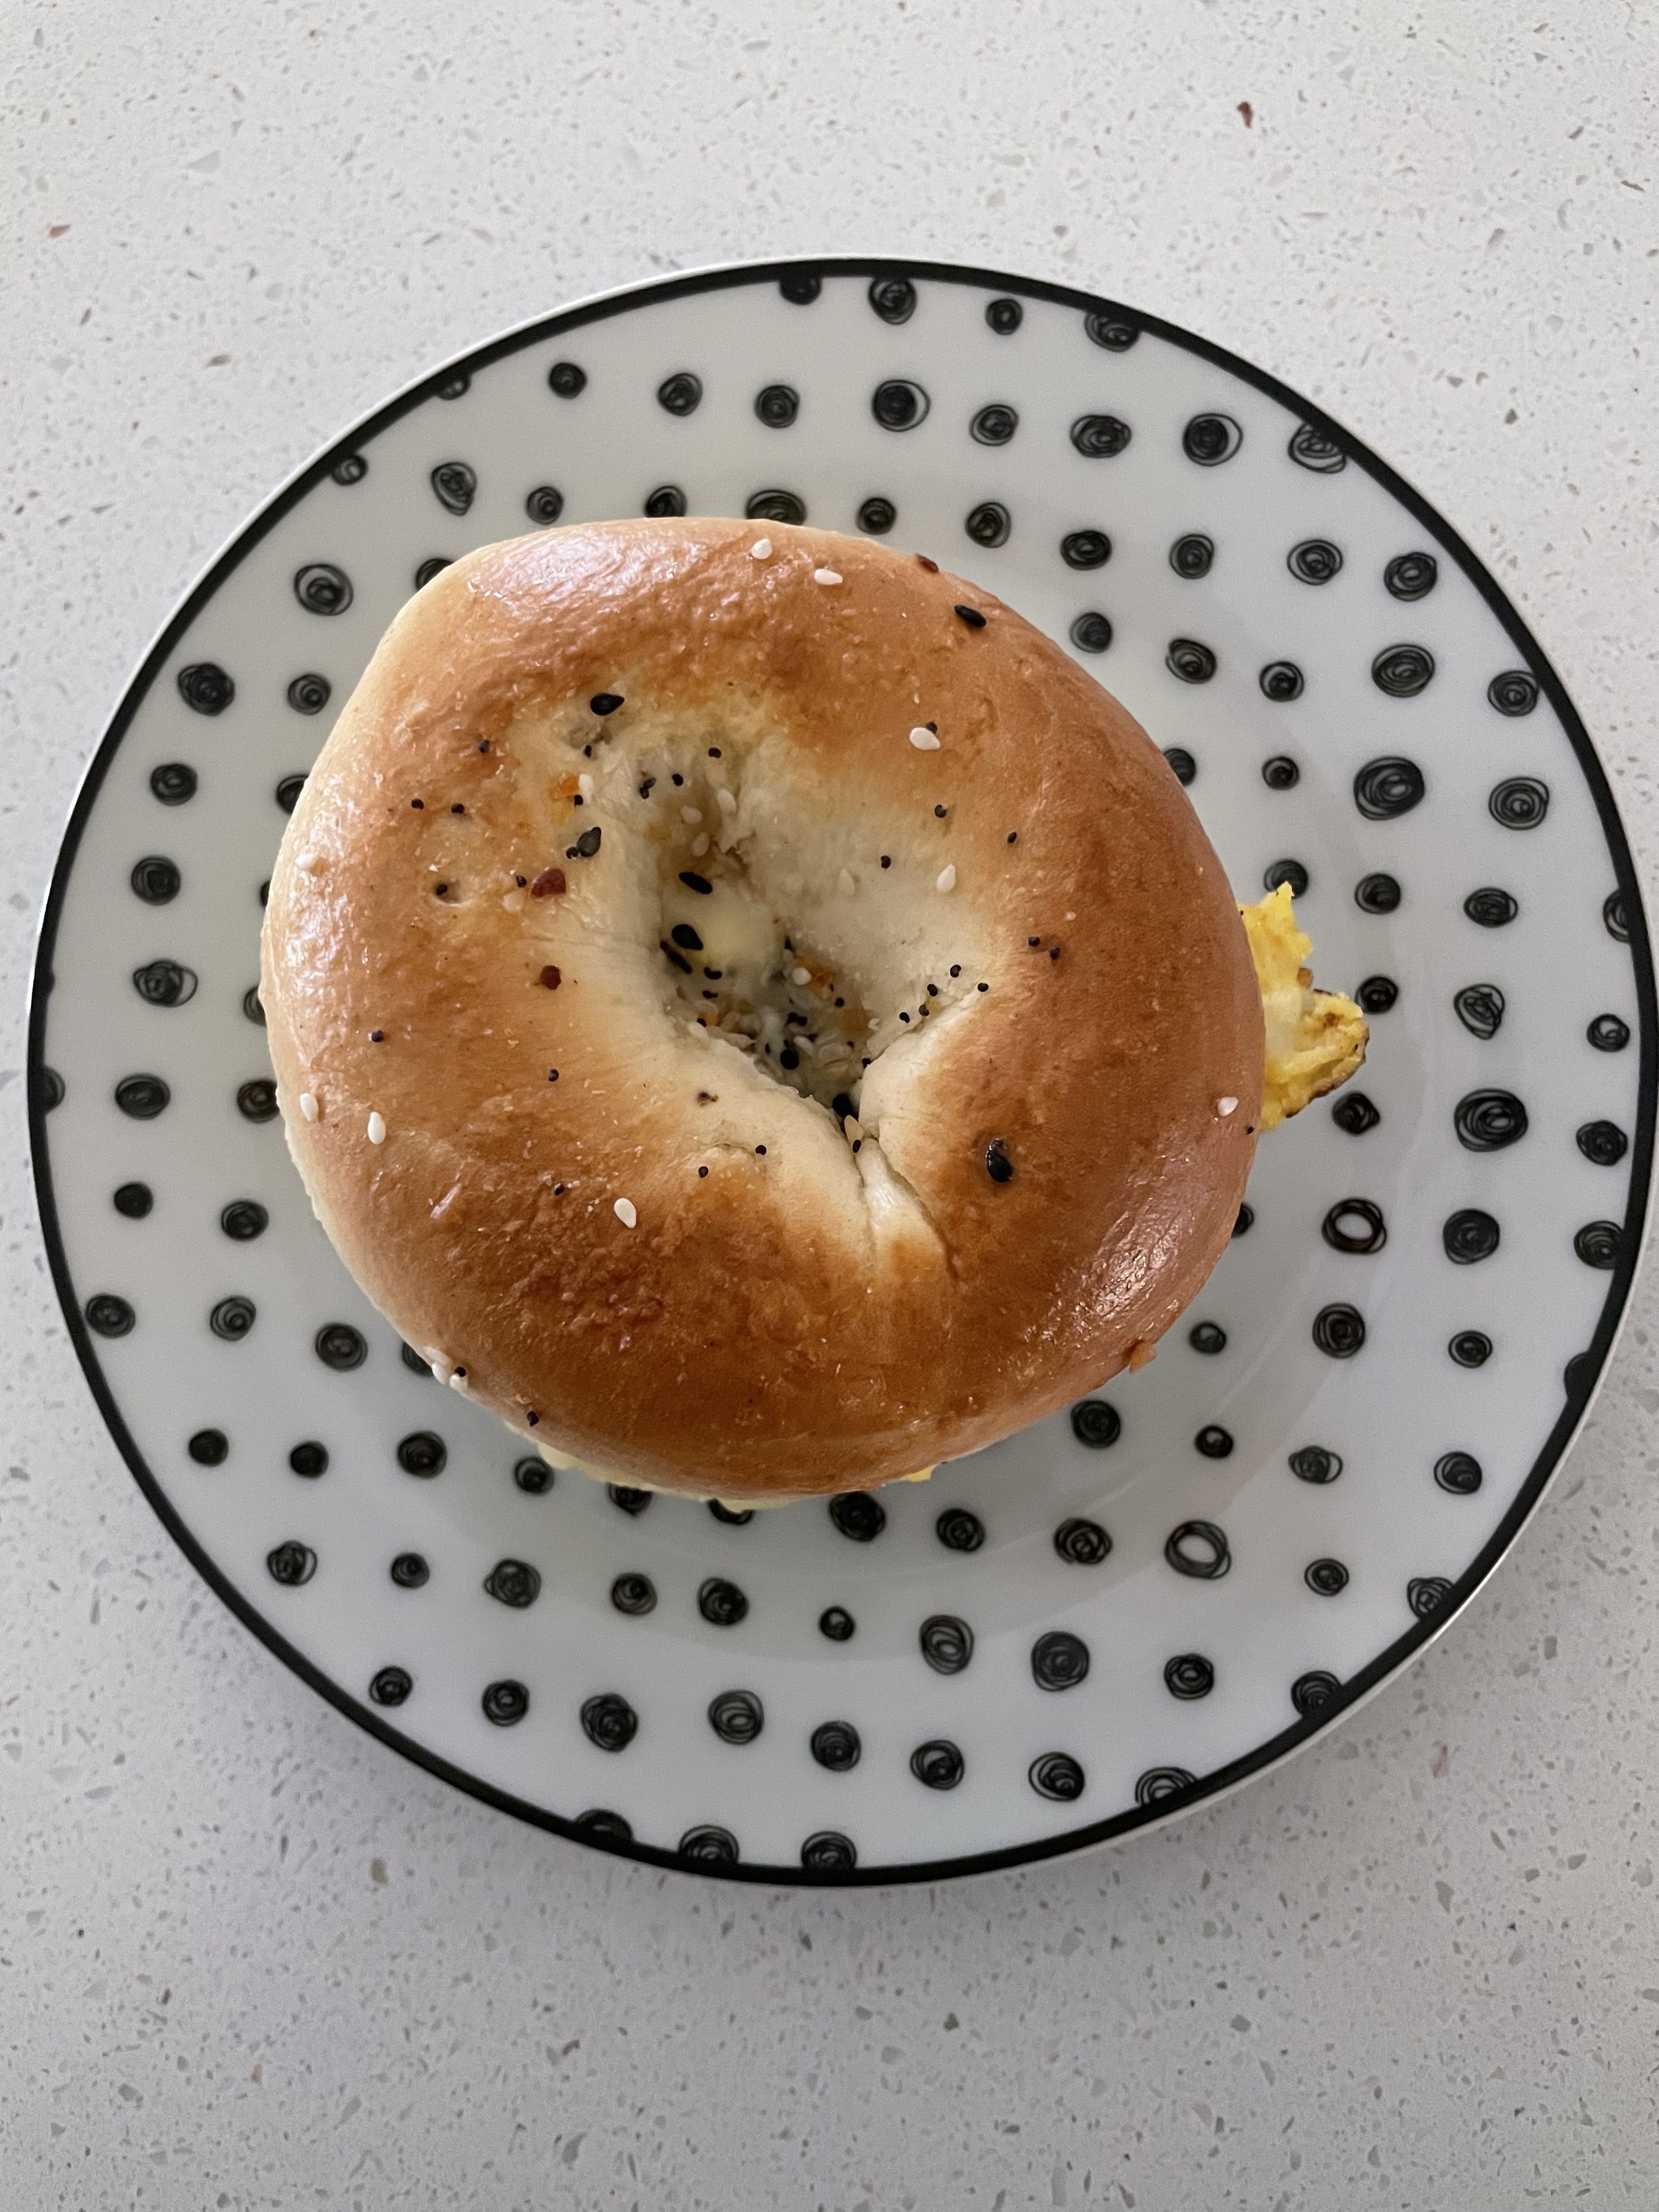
{"type": "Point", "coordinates": [752, 1011]}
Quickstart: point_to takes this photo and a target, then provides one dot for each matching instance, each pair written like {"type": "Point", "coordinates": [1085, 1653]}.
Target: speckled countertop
{"type": "Point", "coordinates": [248, 1958]}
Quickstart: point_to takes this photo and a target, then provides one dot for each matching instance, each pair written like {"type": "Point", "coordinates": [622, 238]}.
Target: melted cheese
{"type": "Point", "coordinates": [1315, 1039]}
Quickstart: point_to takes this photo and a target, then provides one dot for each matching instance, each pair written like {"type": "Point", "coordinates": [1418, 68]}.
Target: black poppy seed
{"type": "Point", "coordinates": [761, 1149]}
{"type": "Point", "coordinates": [887, 859]}
{"type": "Point", "coordinates": [694, 882]}
{"type": "Point", "coordinates": [1053, 952]}
{"type": "Point", "coordinates": [933, 990]}
{"type": "Point", "coordinates": [904, 1016]}
{"type": "Point", "coordinates": [971, 616]}
{"type": "Point", "coordinates": [924, 1012]}
{"type": "Point", "coordinates": [570, 852]}
{"type": "Point", "coordinates": [957, 970]}
{"type": "Point", "coordinates": [982, 987]}
{"type": "Point", "coordinates": [703, 1171]}
{"type": "Point", "coordinates": [799, 1020]}
{"type": "Point", "coordinates": [483, 744]}
{"type": "Point", "coordinates": [711, 994]}
{"type": "Point", "coordinates": [679, 778]}
{"type": "Point", "coordinates": [645, 788]}
{"type": "Point", "coordinates": [939, 813]}
{"type": "Point", "coordinates": [521, 881]}
{"type": "Point", "coordinates": [858, 1142]}
{"type": "Point", "coordinates": [417, 804]}
{"type": "Point", "coordinates": [437, 890]}
{"type": "Point", "coordinates": [685, 937]}
{"type": "Point", "coordinates": [676, 959]}
{"type": "Point", "coordinates": [605, 702]}
{"type": "Point", "coordinates": [588, 843]}
{"type": "Point", "coordinates": [998, 1166]}
{"type": "Point", "coordinates": [841, 1002]}
{"type": "Point", "coordinates": [713, 974]}
{"type": "Point", "coordinates": [377, 1037]}
{"type": "Point", "coordinates": [534, 1419]}
{"type": "Point", "coordinates": [1034, 940]}
{"type": "Point", "coordinates": [587, 752]}
{"type": "Point", "coordinates": [552, 1074]}
{"type": "Point", "coordinates": [1013, 837]}
{"type": "Point", "coordinates": [578, 800]}
{"type": "Point", "coordinates": [714, 752]}
{"type": "Point", "coordinates": [457, 808]}
{"type": "Point", "coordinates": [933, 726]}
{"type": "Point", "coordinates": [789, 1057]}
{"type": "Point", "coordinates": [864, 1063]}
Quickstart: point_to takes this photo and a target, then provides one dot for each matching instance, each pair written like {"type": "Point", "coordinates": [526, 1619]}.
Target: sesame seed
{"type": "Point", "coordinates": [699, 844]}
{"type": "Point", "coordinates": [931, 567]}
{"type": "Point", "coordinates": [800, 974]}
{"type": "Point", "coordinates": [624, 1212]}
{"type": "Point", "coordinates": [1226, 1106]}
{"type": "Point", "coordinates": [377, 1128]}
{"type": "Point", "coordinates": [1053, 952]}
{"type": "Point", "coordinates": [728, 803]}
{"type": "Point", "coordinates": [826, 576]}
{"type": "Point", "coordinates": [947, 878]}
{"type": "Point", "coordinates": [458, 1380]}
{"type": "Point", "coordinates": [971, 616]}
{"type": "Point", "coordinates": [1034, 940]}
{"type": "Point", "coordinates": [924, 740]}
{"type": "Point", "coordinates": [438, 890]}
{"type": "Point", "coordinates": [520, 881]}
{"type": "Point", "coordinates": [308, 1106]}
{"type": "Point", "coordinates": [605, 702]}
{"type": "Point", "coordinates": [703, 1171]}
{"type": "Point", "coordinates": [690, 814]}
{"type": "Point", "coordinates": [550, 979]}
{"type": "Point", "coordinates": [761, 550]}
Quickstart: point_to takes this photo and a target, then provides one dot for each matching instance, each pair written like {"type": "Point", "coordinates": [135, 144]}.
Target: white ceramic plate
{"type": "Point", "coordinates": [1119, 1613]}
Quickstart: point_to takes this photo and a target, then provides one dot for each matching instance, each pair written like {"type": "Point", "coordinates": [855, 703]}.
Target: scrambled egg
{"type": "Point", "coordinates": [1316, 1039]}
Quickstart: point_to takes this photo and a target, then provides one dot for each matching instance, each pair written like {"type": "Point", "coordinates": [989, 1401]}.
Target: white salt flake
{"type": "Point", "coordinates": [585, 784]}
{"type": "Point", "coordinates": [924, 740]}
{"type": "Point", "coordinates": [826, 575]}
{"type": "Point", "coordinates": [800, 974]}
{"type": "Point", "coordinates": [624, 1210]}
{"type": "Point", "coordinates": [376, 1129]}
{"type": "Point", "coordinates": [761, 550]}
{"type": "Point", "coordinates": [699, 844]}
{"type": "Point", "coordinates": [308, 1106]}
{"type": "Point", "coordinates": [1226, 1106]}
{"type": "Point", "coordinates": [947, 881]}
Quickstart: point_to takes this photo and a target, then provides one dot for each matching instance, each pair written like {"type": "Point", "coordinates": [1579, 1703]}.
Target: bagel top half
{"type": "Point", "coordinates": [752, 1011]}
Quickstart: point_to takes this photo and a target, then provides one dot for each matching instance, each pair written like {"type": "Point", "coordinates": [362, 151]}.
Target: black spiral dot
{"type": "Point", "coordinates": [454, 485]}
{"type": "Point", "coordinates": [1193, 556]}
{"type": "Point", "coordinates": [837, 1624]}
{"type": "Point", "coordinates": [1354, 1114]}
{"type": "Point", "coordinates": [1519, 802]}
{"type": "Point", "coordinates": [1338, 1331]}
{"type": "Point", "coordinates": [1469, 1236]}
{"type": "Point", "coordinates": [1085, 549]}
{"type": "Point", "coordinates": [1183, 765]}
{"type": "Point", "coordinates": [134, 1201]}
{"type": "Point", "coordinates": [1604, 1144]}
{"type": "Point", "coordinates": [567, 379]}
{"type": "Point", "coordinates": [205, 687]}
{"type": "Point", "coordinates": [287, 793]}
{"type": "Point", "coordinates": [1004, 316]}
{"type": "Point", "coordinates": [1491, 907]}
{"type": "Point", "coordinates": [634, 1594]}
{"type": "Point", "coordinates": [108, 1316]}
{"type": "Point", "coordinates": [988, 524]}
{"type": "Point", "coordinates": [730, 1516]}
{"type": "Point", "coordinates": [1207, 1337]}
{"type": "Point", "coordinates": [1458, 1472]}
{"type": "Point", "coordinates": [244, 1220]}
{"type": "Point", "coordinates": [876, 516]}
{"type": "Point", "coordinates": [1378, 894]}
{"type": "Point", "coordinates": [1315, 1463]}
{"type": "Point", "coordinates": [608, 1826]}
{"type": "Point", "coordinates": [165, 983]}
{"type": "Point", "coordinates": [801, 287]}
{"type": "Point", "coordinates": [737, 1716]}
{"type": "Point", "coordinates": [1315, 560]}
{"type": "Point", "coordinates": [1599, 1244]}
{"type": "Point", "coordinates": [1488, 1121]}
{"type": "Point", "coordinates": [1287, 872]}
{"type": "Point", "coordinates": [1082, 1543]}
{"type": "Point", "coordinates": [1192, 662]}
{"type": "Point", "coordinates": [681, 393]}
{"type": "Point", "coordinates": [1091, 632]}
{"type": "Point", "coordinates": [1106, 327]}
{"type": "Point", "coordinates": [893, 298]}
{"type": "Point", "coordinates": [858, 1517]}
{"type": "Point", "coordinates": [455, 385]}
{"type": "Point", "coordinates": [708, 1845]}
{"type": "Point", "coordinates": [1244, 1221]}
{"type": "Point", "coordinates": [1378, 994]}
{"type": "Point", "coordinates": [322, 589]}
{"type": "Point", "coordinates": [1209, 440]}
{"type": "Point", "coordinates": [173, 783]}
{"type": "Point", "coordinates": [155, 880]}
{"type": "Point", "coordinates": [1514, 692]}
{"type": "Point", "coordinates": [1326, 1578]}
{"type": "Point", "coordinates": [291, 1564]}
{"type": "Point", "coordinates": [959, 1530]}
{"type": "Point", "coordinates": [1403, 670]}
{"type": "Point", "coordinates": [256, 1100]}
{"type": "Point", "coordinates": [777, 405]}
{"type": "Point", "coordinates": [1096, 1424]}
{"type": "Point", "coordinates": [1470, 1347]}
{"type": "Point", "coordinates": [1315, 449]}
{"type": "Point", "coordinates": [513, 1582]}
{"type": "Point", "coordinates": [631, 1502]}
{"type": "Point", "coordinates": [533, 1476]}
{"type": "Point", "coordinates": [1315, 1691]}
{"type": "Point", "coordinates": [350, 469]}
{"type": "Point", "coordinates": [413, 1361]}
{"type": "Point", "coordinates": [1281, 681]}
{"type": "Point", "coordinates": [1056, 1775]}
{"type": "Point", "coordinates": [1479, 1007]}
{"type": "Point", "coordinates": [827, 1850]}
{"type": "Point", "coordinates": [1159, 1784]}
{"type": "Point", "coordinates": [835, 1744]}
{"type": "Point", "coordinates": [208, 1447]}
{"type": "Point", "coordinates": [505, 1703]}
{"type": "Point", "coordinates": [1426, 1594]}
{"type": "Point", "coordinates": [938, 1763]}
{"type": "Point", "coordinates": [232, 1319]}
{"type": "Point", "coordinates": [340, 1346]}
{"type": "Point", "coordinates": [434, 566]}
{"type": "Point", "coordinates": [1214, 1442]}
{"type": "Point", "coordinates": [544, 504]}
{"type": "Point", "coordinates": [1411, 575]}
{"type": "Point", "coordinates": [1608, 1034]}
{"type": "Point", "coordinates": [1198, 1549]}
{"type": "Point", "coordinates": [947, 1643]}
{"type": "Point", "coordinates": [1280, 773]}
{"type": "Point", "coordinates": [409, 1570]}
{"type": "Point", "coordinates": [1099, 437]}
{"type": "Point", "coordinates": [391, 1686]}
{"type": "Point", "coordinates": [1615, 918]}
{"type": "Point", "coordinates": [1188, 1676]}
{"type": "Point", "coordinates": [993, 425]}
{"type": "Point", "coordinates": [309, 1459]}
{"type": "Point", "coordinates": [1060, 1659]}
{"type": "Point", "coordinates": [1355, 1225]}
{"type": "Point", "coordinates": [667, 499]}
{"type": "Point", "coordinates": [423, 1453]}
{"type": "Point", "coordinates": [252, 1011]}
{"type": "Point", "coordinates": [774, 506]}
{"type": "Point", "coordinates": [721, 1603]}
{"type": "Point", "coordinates": [1384, 789]}
{"type": "Point", "coordinates": [610, 1722]}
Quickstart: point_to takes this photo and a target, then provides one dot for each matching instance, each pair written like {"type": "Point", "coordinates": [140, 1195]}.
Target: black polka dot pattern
{"type": "Point", "coordinates": [174, 783]}
{"type": "Point", "coordinates": [947, 1643]}
{"type": "Point", "coordinates": [893, 298]}
{"type": "Point", "coordinates": [1469, 1236]}
{"type": "Point", "coordinates": [721, 1603]}
{"type": "Point", "coordinates": [340, 1346]}
{"type": "Point", "coordinates": [543, 505]}
{"type": "Point", "coordinates": [134, 1201]}
{"type": "Point", "coordinates": [1085, 549]}
{"type": "Point", "coordinates": [1289, 872]}
{"type": "Point", "coordinates": [938, 1764]}
{"type": "Point", "coordinates": [1615, 918]}
{"type": "Point", "coordinates": [1315, 560]}
{"type": "Point", "coordinates": [309, 1459]}
{"type": "Point", "coordinates": [1387, 788]}
{"type": "Point", "coordinates": [1110, 329]}
{"type": "Point", "coordinates": [858, 1517]}
{"type": "Point", "coordinates": [323, 589]}
{"type": "Point", "coordinates": [605, 1826]}
{"type": "Point", "coordinates": [256, 1100]}
{"type": "Point", "coordinates": [232, 1319]}
{"type": "Point", "coordinates": [1214, 1442]}
{"type": "Point", "coordinates": [1607, 1033]}
{"type": "Point", "coordinates": [989, 523]}
{"type": "Point", "coordinates": [1403, 670]}
{"type": "Point", "coordinates": [1326, 1578]}
{"type": "Point", "coordinates": [1188, 1676]}
{"type": "Point", "coordinates": [1314, 449]}
{"type": "Point", "coordinates": [1099, 437]}
{"type": "Point", "coordinates": [837, 1624]}
{"type": "Point", "coordinates": [1521, 802]}
{"type": "Point", "coordinates": [1470, 1347]}
{"type": "Point", "coordinates": [155, 880]}
{"type": "Point", "coordinates": [828, 1852]}
{"type": "Point", "coordinates": [205, 687]}
{"type": "Point", "coordinates": [208, 1447]}
{"type": "Point", "coordinates": [777, 405]}
{"type": "Point", "coordinates": [1489, 1120]}
{"type": "Point", "coordinates": [1207, 1337]}
{"type": "Point", "coordinates": [1281, 680]}
{"type": "Point", "coordinates": [1082, 1543]}
{"type": "Point", "coordinates": [876, 516]}
{"type": "Point", "coordinates": [513, 1582]}
{"type": "Point", "coordinates": [291, 1564]}
{"type": "Point", "coordinates": [1004, 316]}
{"type": "Point", "coordinates": [1183, 766]}
{"type": "Point", "coordinates": [1604, 1144]}
{"type": "Point", "coordinates": [680, 394]}
{"type": "Point", "coordinates": [1314, 1692]}
{"type": "Point", "coordinates": [1192, 557]}
{"type": "Point", "coordinates": [631, 1502]}
{"type": "Point", "coordinates": [391, 1686]}
{"type": "Point", "coordinates": [1355, 1225]}
{"type": "Point", "coordinates": [774, 506]}
{"type": "Point", "coordinates": [1280, 773]}
{"type": "Point", "coordinates": [608, 1721]}
{"type": "Point", "coordinates": [423, 1453]}
{"type": "Point", "coordinates": [454, 485]}
{"type": "Point", "coordinates": [1090, 631]}
{"type": "Point", "coordinates": [1313, 1463]}
{"type": "Point", "coordinates": [1378, 894]}
{"type": "Point", "coordinates": [409, 1570]}
{"type": "Point", "coordinates": [1458, 1473]}
{"type": "Point", "coordinates": [1427, 1594]}
{"type": "Point", "coordinates": [1378, 994]}
{"type": "Point", "coordinates": [1354, 1114]}
{"type": "Point", "coordinates": [533, 1476]}
{"type": "Point", "coordinates": [709, 1844]}
{"type": "Point", "coordinates": [567, 379]}
{"type": "Point", "coordinates": [1096, 1424]}
{"type": "Point", "coordinates": [244, 1220]}
{"type": "Point", "coordinates": [1599, 1244]}
{"type": "Point", "coordinates": [1199, 1550]}
{"type": "Point", "coordinates": [1514, 692]}
{"type": "Point", "coordinates": [1491, 907]}
{"type": "Point", "coordinates": [1479, 1007]}
{"type": "Point", "coordinates": [835, 1744]}
{"type": "Point", "coordinates": [1159, 1784]}
{"type": "Point", "coordinates": [1210, 439]}
{"type": "Point", "coordinates": [1056, 1775]}
{"type": "Point", "coordinates": [505, 1703]}
{"type": "Point", "coordinates": [736, 1717]}
{"type": "Point", "coordinates": [108, 1316]}
{"type": "Point", "coordinates": [1411, 575]}
{"type": "Point", "coordinates": [1338, 1330]}
{"type": "Point", "coordinates": [1192, 662]}
{"type": "Point", "coordinates": [665, 500]}
{"type": "Point", "coordinates": [801, 287]}
{"type": "Point", "coordinates": [959, 1530]}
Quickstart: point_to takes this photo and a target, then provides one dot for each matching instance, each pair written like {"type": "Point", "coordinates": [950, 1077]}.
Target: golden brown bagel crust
{"type": "Point", "coordinates": [800, 1318]}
